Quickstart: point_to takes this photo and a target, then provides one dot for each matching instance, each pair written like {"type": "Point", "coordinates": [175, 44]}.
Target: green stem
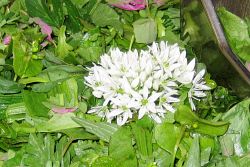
{"type": "Point", "coordinates": [178, 141]}
{"type": "Point", "coordinates": [131, 42]}
{"type": "Point", "coordinates": [148, 10]}
{"type": "Point", "coordinates": [66, 147]}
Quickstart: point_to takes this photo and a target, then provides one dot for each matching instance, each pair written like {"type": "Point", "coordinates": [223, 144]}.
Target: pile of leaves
{"type": "Point", "coordinates": [46, 47]}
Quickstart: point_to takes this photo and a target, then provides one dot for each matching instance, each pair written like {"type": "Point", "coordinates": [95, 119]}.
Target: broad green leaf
{"type": "Point", "coordinates": [39, 8]}
{"type": "Point", "coordinates": [9, 87]}
{"type": "Point", "coordinates": [33, 102]}
{"type": "Point", "coordinates": [121, 149]}
{"type": "Point", "coordinates": [64, 94]}
{"type": "Point", "coordinates": [145, 30]}
{"type": "Point", "coordinates": [236, 30]}
{"type": "Point", "coordinates": [104, 15]}
{"type": "Point", "coordinates": [62, 49]}
{"type": "Point", "coordinates": [239, 128]}
{"type": "Point", "coordinates": [21, 56]}
{"type": "Point", "coordinates": [57, 123]}
{"type": "Point", "coordinates": [74, 17]}
{"type": "Point", "coordinates": [10, 99]}
{"type": "Point", "coordinates": [163, 158]}
{"type": "Point", "coordinates": [166, 135]}
{"type": "Point", "coordinates": [32, 80]}
{"type": "Point", "coordinates": [23, 63]}
{"type": "Point", "coordinates": [103, 130]}
{"type": "Point", "coordinates": [193, 158]}
{"type": "Point", "coordinates": [78, 133]}
{"type": "Point", "coordinates": [16, 112]}
{"type": "Point", "coordinates": [185, 116]}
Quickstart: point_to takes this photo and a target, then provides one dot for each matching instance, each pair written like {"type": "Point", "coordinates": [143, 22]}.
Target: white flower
{"type": "Point", "coordinates": [197, 90]}
{"type": "Point", "coordinates": [142, 83]}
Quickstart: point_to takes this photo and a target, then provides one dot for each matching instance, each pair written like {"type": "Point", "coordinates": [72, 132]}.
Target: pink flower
{"type": "Point", "coordinates": [7, 40]}
{"type": "Point", "coordinates": [63, 110]}
{"type": "Point", "coordinates": [129, 4]}
{"type": "Point", "coordinates": [45, 28]}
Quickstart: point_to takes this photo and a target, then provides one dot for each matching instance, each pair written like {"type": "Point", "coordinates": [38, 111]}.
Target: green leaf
{"type": "Point", "coordinates": [163, 158]}
{"type": "Point", "coordinates": [58, 122]}
{"type": "Point", "coordinates": [121, 149]}
{"type": "Point", "coordinates": [185, 116]}
{"type": "Point", "coordinates": [8, 87]}
{"type": "Point", "coordinates": [39, 8]}
{"type": "Point", "coordinates": [33, 102]}
{"type": "Point", "coordinates": [23, 63]}
{"type": "Point", "coordinates": [145, 30]}
{"type": "Point", "coordinates": [142, 131]}
{"type": "Point", "coordinates": [193, 158]}
{"type": "Point", "coordinates": [102, 130]}
{"type": "Point", "coordinates": [74, 17]}
{"type": "Point", "coordinates": [104, 15]}
{"type": "Point", "coordinates": [236, 30]}
{"type": "Point", "coordinates": [238, 131]}
{"type": "Point", "coordinates": [21, 57]}
{"type": "Point", "coordinates": [78, 133]}
{"type": "Point", "coordinates": [64, 94]}
{"type": "Point", "coordinates": [62, 49]}
{"type": "Point", "coordinates": [32, 80]}
{"type": "Point", "coordinates": [16, 112]}
{"type": "Point", "coordinates": [166, 135]}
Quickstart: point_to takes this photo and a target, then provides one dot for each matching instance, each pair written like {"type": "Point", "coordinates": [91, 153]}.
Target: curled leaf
{"type": "Point", "coordinates": [45, 28]}
{"type": "Point", "coordinates": [63, 110]}
{"type": "Point", "coordinates": [128, 4]}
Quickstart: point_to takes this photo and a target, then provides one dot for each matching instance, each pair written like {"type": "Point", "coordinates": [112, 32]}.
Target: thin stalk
{"type": "Point", "coordinates": [183, 129]}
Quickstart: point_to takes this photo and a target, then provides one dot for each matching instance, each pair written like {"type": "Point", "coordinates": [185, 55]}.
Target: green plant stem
{"type": "Point", "coordinates": [183, 129]}
{"type": "Point", "coordinates": [66, 147]}
{"type": "Point", "coordinates": [131, 42]}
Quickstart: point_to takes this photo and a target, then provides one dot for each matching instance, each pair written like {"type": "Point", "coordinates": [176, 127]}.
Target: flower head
{"type": "Point", "coordinates": [149, 82]}
{"type": "Point", "coordinates": [7, 40]}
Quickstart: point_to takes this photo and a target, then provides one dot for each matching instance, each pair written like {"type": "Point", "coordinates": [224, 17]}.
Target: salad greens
{"type": "Point", "coordinates": [237, 32]}
{"type": "Point", "coordinates": [44, 99]}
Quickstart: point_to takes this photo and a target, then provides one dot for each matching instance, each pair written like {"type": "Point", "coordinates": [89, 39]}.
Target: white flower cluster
{"type": "Point", "coordinates": [146, 83]}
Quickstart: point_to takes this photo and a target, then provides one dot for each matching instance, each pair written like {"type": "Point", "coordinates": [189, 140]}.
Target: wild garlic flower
{"type": "Point", "coordinates": [148, 83]}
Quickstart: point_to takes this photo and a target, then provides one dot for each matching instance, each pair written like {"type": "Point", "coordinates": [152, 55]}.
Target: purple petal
{"type": "Point", "coordinates": [63, 110]}
{"type": "Point", "coordinates": [131, 5]}
{"type": "Point", "coordinates": [7, 40]}
{"type": "Point", "coordinates": [45, 28]}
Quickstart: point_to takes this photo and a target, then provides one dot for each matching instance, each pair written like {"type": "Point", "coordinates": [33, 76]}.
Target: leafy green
{"type": "Point", "coordinates": [33, 102]}
{"type": "Point", "coordinates": [104, 15]}
{"type": "Point", "coordinates": [236, 30]}
{"type": "Point", "coordinates": [8, 86]}
{"type": "Point", "coordinates": [39, 8]}
{"type": "Point", "coordinates": [63, 48]}
{"type": "Point", "coordinates": [121, 149]}
{"type": "Point", "coordinates": [185, 116]}
{"type": "Point", "coordinates": [103, 130]}
{"type": "Point", "coordinates": [193, 158]}
{"type": "Point", "coordinates": [145, 30]}
{"type": "Point", "coordinates": [238, 132]}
